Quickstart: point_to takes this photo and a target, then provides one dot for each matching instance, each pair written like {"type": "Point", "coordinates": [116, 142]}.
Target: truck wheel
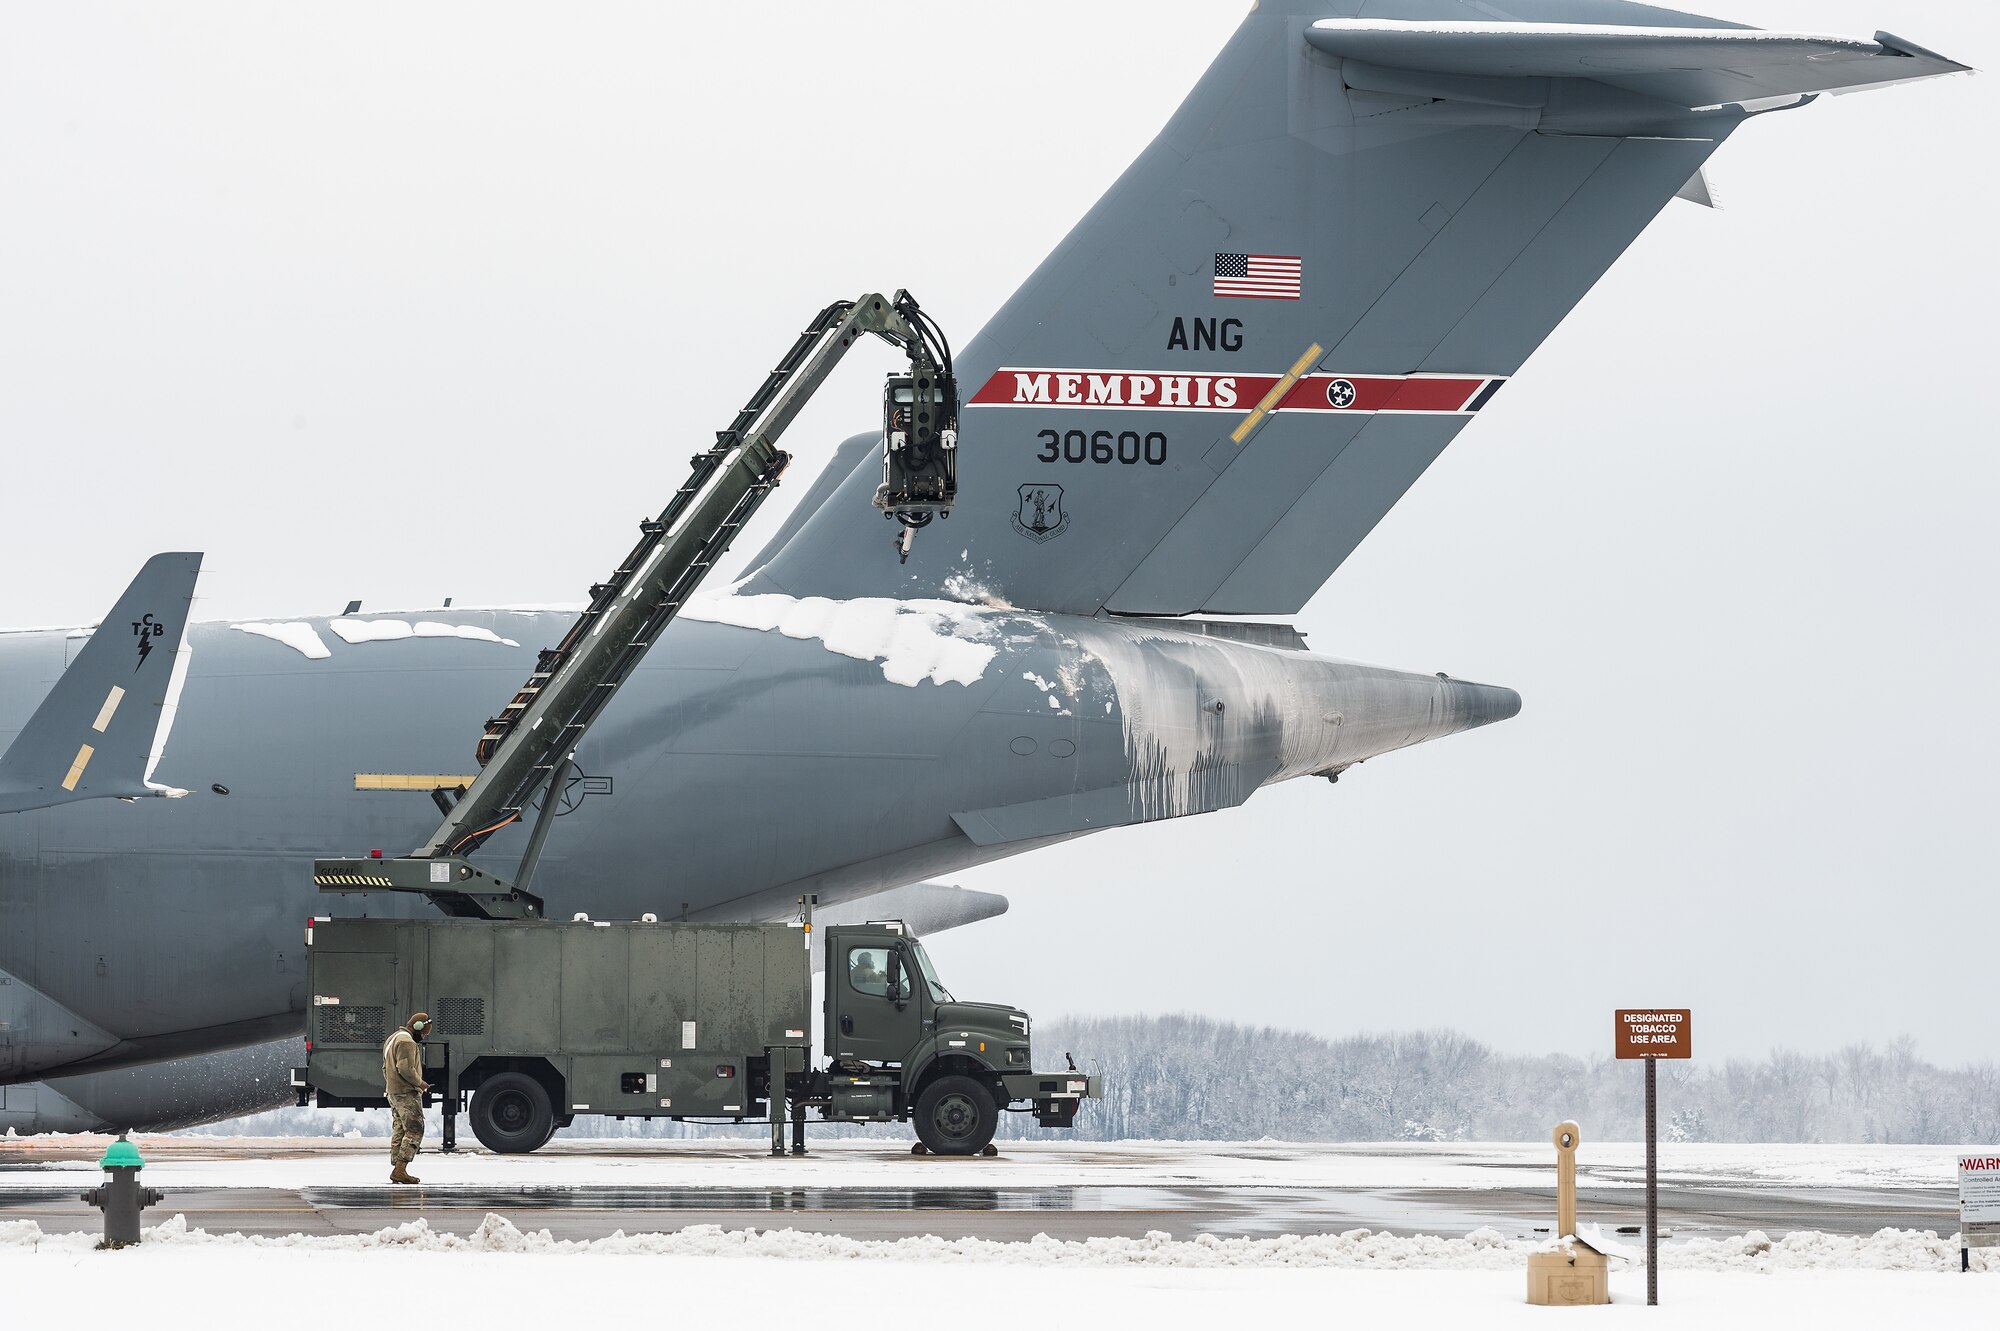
{"type": "Point", "coordinates": [511, 1114]}
{"type": "Point", "coordinates": [956, 1116]}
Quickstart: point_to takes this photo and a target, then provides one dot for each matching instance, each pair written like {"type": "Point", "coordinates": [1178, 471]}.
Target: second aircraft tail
{"type": "Point", "coordinates": [98, 733]}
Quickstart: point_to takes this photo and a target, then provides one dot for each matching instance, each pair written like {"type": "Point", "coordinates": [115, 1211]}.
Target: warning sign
{"type": "Point", "coordinates": [1979, 1198]}
{"type": "Point", "coordinates": [1654, 1033]}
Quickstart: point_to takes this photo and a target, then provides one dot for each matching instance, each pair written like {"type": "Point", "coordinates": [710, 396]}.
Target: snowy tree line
{"type": "Point", "coordinates": [1196, 1079]}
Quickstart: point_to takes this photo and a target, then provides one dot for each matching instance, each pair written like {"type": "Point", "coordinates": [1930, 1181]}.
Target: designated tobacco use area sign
{"type": "Point", "coordinates": [1652, 1034]}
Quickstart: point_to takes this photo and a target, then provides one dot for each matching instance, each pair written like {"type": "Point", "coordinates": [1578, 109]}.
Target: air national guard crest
{"type": "Point", "coordinates": [1040, 516]}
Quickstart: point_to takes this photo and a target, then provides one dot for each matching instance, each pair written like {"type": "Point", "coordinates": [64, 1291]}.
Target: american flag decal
{"type": "Point", "coordinates": [1259, 276]}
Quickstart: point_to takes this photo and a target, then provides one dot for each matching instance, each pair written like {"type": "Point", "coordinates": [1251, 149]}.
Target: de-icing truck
{"type": "Point", "coordinates": [537, 1021]}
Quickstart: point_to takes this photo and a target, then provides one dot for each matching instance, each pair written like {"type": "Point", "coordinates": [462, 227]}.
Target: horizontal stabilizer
{"type": "Point", "coordinates": [927, 908]}
{"type": "Point", "coordinates": [41, 1032]}
{"type": "Point", "coordinates": [99, 732]}
{"type": "Point", "coordinates": [1699, 190]}
{"type": "Point", "coordinates": [1690, 67]}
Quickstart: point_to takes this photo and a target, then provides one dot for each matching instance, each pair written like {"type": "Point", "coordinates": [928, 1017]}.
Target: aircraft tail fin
{"type": "Point", "coordinates": [97, 733]}
{"type": "Point", "coordinates": [1347, 238]}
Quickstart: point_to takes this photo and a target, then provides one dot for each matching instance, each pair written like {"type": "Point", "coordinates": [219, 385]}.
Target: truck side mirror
{"type": "Point", "coordinates": [896, 974]}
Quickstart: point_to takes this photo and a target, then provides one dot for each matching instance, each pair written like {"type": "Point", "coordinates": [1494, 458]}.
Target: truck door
{"type": "Point", "coordinates": [878, 1004]}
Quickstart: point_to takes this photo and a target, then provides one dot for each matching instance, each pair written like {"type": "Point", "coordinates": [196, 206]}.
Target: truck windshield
{"type": "Point", "coordinates": [939, 994]}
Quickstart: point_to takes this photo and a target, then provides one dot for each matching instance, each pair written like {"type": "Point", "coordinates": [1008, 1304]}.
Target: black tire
{"type": "Point", "coordinates": [511, 1114]}
{"type": "Point", "coordinates": [956, 1116]}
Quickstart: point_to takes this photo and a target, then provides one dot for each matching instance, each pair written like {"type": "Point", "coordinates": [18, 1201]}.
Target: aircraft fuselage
{"type": "Point", "coordinates": [745, 766]}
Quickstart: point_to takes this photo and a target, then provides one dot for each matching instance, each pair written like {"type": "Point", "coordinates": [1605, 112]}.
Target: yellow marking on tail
{"type": "Point", "coordinates": [1277, 393]}
{"type": "Point", "coordinates": [76, 768]}
{"type": "Point", "coordinates": [111, 701]}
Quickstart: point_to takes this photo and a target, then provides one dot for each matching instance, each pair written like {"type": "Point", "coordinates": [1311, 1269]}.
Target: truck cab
{"type": "Point", "coordinates": [951, 1067]}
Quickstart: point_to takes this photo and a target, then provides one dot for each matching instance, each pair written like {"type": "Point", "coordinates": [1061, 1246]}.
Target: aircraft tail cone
{"type": "Point", "coordinates": [1474, 705]}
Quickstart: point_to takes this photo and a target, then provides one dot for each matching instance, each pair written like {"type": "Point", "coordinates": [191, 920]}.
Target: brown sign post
{"type": "Point", "coordinates": [1653, 1034]}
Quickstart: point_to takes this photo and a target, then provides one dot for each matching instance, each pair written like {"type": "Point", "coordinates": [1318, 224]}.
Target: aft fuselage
{"type": "Point", "coordinates": [746, 764]}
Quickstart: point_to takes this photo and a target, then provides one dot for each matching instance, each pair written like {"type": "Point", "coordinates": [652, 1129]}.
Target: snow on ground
{"type": "Point", "coordinates": [1483, 1249]}
{"type": "Point", "coordinates": [218, 1282]}
{"type": "Point", "coordinates": [712, 1162]}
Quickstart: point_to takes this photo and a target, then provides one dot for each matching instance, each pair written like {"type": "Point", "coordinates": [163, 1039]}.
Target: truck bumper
{"type": "Point", "coordinates": [1054, 1095]}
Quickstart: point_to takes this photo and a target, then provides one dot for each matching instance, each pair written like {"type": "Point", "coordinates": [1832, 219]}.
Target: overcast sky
{"type": "Point", "coordinates": [362, 299]}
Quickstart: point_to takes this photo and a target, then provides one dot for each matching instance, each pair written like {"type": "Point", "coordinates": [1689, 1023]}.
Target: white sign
{"type": "Point", "coordinates": [1979, 1198]}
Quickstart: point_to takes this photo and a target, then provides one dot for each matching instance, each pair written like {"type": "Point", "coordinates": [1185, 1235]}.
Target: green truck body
{"type": "Point", "coordinates": [536, 1022]}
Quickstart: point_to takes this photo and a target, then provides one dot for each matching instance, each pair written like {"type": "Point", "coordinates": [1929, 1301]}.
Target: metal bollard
{"type": "Point", "coordinates": [121, 1198]}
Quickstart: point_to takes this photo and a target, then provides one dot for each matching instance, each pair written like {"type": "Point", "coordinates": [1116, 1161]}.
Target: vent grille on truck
{"type": "Point", "coordinates": [352, 1025]}
{"type": "Point", "coordinates": [461, 1016]}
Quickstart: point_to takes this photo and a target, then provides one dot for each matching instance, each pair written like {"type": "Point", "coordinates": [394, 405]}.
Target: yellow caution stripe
{"type": "Point", "coordinates": [350, 880]}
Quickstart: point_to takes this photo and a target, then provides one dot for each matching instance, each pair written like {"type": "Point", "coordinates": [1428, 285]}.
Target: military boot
{"type": "Point", "coordinates": [402, 1174]}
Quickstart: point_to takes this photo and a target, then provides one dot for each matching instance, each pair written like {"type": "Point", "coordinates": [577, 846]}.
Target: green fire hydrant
{"type": "Point", "coordinates": [121, 1198]}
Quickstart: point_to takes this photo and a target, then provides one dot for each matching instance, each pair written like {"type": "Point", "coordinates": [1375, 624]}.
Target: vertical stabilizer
{"type": "Point", "coordinates": [99, 731]}
{"type": "Point", "coordinates": [1358, 225]}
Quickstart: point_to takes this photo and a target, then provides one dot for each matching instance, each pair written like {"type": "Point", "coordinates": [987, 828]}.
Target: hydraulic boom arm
{"type": "Point", "coordinates": [573, 681]}
{"type": "Point", "coordinates": [528, 746]}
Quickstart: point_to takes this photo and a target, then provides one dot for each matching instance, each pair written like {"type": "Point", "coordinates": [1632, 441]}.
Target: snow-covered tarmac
{"type": "Point", "coordinates": [1473, 1275]}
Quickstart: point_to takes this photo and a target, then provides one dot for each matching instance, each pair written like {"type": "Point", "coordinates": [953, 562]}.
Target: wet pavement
{"type": "Point", "coordinates": [586, 1211]}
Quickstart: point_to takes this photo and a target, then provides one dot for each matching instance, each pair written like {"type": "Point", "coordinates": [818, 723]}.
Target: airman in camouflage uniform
{"type": "Point", "coordinates": [403, 1082]}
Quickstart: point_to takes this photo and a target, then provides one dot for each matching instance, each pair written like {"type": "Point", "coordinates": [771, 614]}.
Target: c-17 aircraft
{"type": "Point", "coordinates": [1352, 233]}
